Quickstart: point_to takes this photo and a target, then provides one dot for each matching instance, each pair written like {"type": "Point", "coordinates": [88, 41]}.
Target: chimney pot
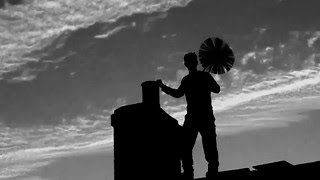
{"type": "Point", "coordinates": [150, 93]}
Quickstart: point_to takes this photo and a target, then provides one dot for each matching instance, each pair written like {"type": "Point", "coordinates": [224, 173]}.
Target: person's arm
{"type": "Point", "coordinates": [177, 93]}
{"type": "Point", "coordinates": [213, 85]}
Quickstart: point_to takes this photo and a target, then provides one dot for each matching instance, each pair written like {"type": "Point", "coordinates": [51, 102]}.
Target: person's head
{"type": "Point", "coordinates": [190, 61]}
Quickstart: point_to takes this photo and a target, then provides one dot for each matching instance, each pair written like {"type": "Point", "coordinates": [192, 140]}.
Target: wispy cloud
{"type": "Point", "coordinates": [20, 169]}
{"type": "Point", "coordinates": [33, 148]}
{"type": "Point", "coordinates": [280, 84]}
{"type": "Point", "coordinates": [261, 104]}
{"type": "Point", "coordinates": [115, 30]}
{"type": "Point", "coordinates": [111, 32]}
{"type": "Point", "coordinates": [315, 36]}
{"type": "Point", "coordinates": [34, 25]}
{"type": "Point", "coordinates": [267, 54]}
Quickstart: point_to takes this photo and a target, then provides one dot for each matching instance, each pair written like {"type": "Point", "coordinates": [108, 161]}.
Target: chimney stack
{"type": "Point", "coordinates": [149, 157]}
{"type": "Point", "coordinates": [150, 93]}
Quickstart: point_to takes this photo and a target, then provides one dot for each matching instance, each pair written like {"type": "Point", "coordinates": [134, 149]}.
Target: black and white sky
{"type": "Point", "coordinates": [65, 65]}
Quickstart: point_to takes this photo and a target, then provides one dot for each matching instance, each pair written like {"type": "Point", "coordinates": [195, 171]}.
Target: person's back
{"type": "Point", "coordinates": [198, 92]}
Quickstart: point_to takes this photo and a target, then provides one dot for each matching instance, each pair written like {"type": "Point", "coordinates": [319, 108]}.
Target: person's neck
{"type": "Point", "coordinates": [192, 71]}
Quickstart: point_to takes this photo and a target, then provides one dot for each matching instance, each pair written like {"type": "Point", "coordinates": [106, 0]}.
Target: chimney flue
{"type": "Point", "coordinates": [150, 93]}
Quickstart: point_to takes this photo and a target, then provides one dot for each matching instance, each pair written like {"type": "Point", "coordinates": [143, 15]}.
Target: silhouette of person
{"type": "Point", "coordinates": [197, 87]}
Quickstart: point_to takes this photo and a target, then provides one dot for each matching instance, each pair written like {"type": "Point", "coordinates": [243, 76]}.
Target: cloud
{"type": "Point", "coordinates": [291, 54]}
{"type": "Point", "coordinates": [38, 31]}
{"type": "Point", "coordinates": [265, 102]}
{"type": "Point", "coordinates": [160, 68]}
{"type": "Point", "coordinates": [51, 5]}
{"type": "Point", "coordinates": [111, 32]}
{"type": "Point", "coordinates": [25, 75]}
{"type": "Point", "coordinates": [3, 3]}
{"type": "Point", "coordinates": [263, 56]}
{"type": "Point", "coordinates": [35, 178]}
{"type": "Point", "coordinates": [37, 147]}
{"type": "Point", "coordinates": [70, 70]}
{"type": "Point", "coordinates": [22, 78]}
{"type": "Point", "coordinates": [115, 30]}
{"type": "Point", "coordinates": [19, 169]}
{"type": "Point", "coordinates": [272, 71]}
{"type": "Point", "coordinates": [82, 79]}
{"type": "Point", "coordinates": [315, 36]}
{"type": "Point", "coordinates": [165, 36]}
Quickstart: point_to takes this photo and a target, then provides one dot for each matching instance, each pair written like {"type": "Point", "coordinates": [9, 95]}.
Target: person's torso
{"type": "Point", "coordinates": [197, 92]}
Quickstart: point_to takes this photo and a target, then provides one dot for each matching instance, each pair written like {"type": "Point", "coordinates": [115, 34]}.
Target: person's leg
{"type": "Point", "coordinates": [209, 142]}
{"type": "Point", "coordinates": [189, 136]}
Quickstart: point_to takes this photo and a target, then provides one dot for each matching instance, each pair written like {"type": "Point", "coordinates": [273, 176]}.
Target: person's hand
{"type": "Point", "coordinates": [159, 82]}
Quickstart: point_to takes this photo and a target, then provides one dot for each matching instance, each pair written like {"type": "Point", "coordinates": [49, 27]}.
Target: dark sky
{"type": "Point", "coordinates": [65, 65]}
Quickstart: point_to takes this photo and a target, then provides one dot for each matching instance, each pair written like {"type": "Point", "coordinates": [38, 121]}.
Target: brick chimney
{"type": "Point", "coordinates": [150, 93]}
{"type": "Point", "coordinates": [147, 140]}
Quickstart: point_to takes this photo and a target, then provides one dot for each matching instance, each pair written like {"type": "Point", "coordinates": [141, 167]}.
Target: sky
{"type": "Point", "coordinates": [66, 65]}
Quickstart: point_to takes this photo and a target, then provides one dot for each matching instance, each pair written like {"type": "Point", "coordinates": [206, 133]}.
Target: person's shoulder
{"type": "Point", "coordinates": [206, 74]}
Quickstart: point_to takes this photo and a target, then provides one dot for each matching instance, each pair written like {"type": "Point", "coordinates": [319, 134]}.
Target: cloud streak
{"type": "Point", "coordinates": [115, 30]}
{"type": "Point", "coordinates": [35, 25]}
{"type": "Point", "coordinates": [29, 149]}
{"type": "Point", "coordinates": [266, 103]}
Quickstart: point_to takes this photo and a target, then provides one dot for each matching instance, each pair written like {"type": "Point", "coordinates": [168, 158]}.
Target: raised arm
{"type": "Point", "coordinates": [213, 85]}
{"type": "Point", "coordinates": [177, 93]}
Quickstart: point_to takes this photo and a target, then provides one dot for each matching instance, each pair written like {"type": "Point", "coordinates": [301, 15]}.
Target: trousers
{"type": "Point", "coordinates": [205, 125]}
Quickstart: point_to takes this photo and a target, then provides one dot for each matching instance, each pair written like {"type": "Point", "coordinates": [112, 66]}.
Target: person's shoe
{"type": "Point", "coordinates": [211, 175]}
{"type": "Point", "coordinates": [187, 176]}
